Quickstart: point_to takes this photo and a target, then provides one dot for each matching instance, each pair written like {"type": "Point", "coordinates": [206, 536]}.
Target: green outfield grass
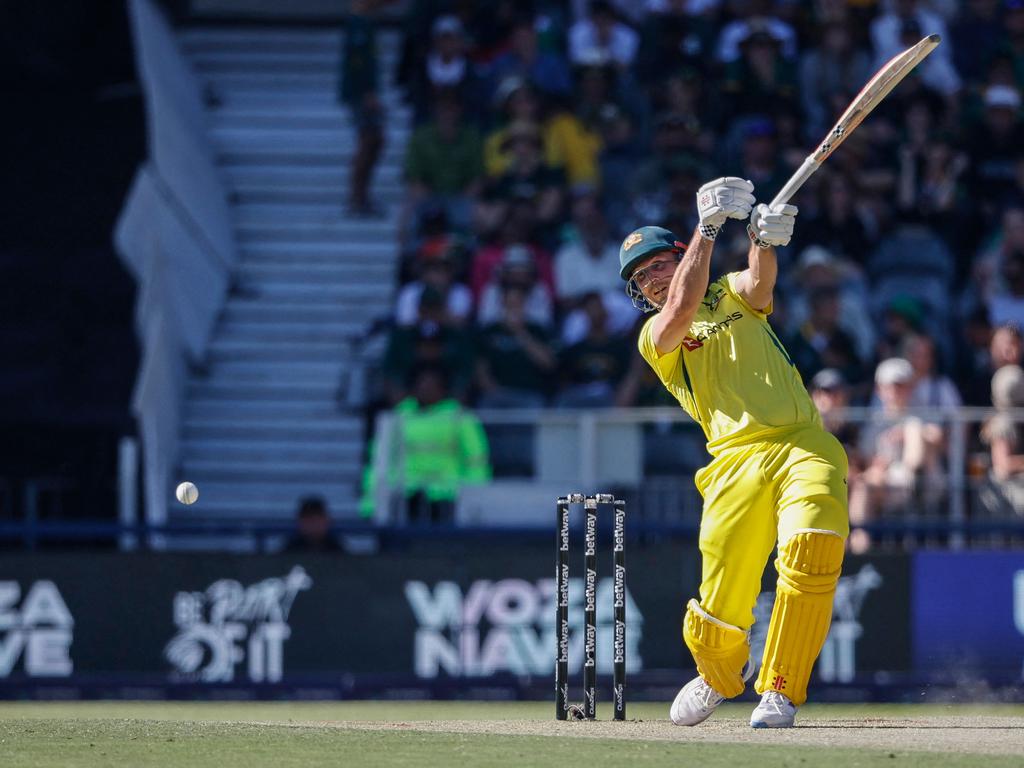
{"type": "Point", "coordinates": [246, 735]}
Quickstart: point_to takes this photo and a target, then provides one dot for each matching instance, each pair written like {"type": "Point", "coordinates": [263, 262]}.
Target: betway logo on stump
{"type": "Point", "coordinates": [509, 626]}
{"type": "Point", "coordinates": [36, 628]}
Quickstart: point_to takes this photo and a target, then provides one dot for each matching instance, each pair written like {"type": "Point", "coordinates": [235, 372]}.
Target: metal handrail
{"type": "Point", "coordinates": [113, 531]}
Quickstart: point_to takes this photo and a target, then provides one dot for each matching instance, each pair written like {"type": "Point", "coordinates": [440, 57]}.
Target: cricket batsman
{"type": "Point", "coordinates": [776, 475]}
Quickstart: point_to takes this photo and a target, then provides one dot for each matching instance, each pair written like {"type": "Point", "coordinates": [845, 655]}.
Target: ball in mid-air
{"type": "Point", "coordinates": [187, 493]}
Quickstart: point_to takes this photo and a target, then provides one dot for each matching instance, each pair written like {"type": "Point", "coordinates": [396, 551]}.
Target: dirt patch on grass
{"type": "Point", "coordinates": [961, 735]}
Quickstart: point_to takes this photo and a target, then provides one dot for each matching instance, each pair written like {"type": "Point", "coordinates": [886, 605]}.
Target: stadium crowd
{"type": "Point", "coordinates": [545, 131]}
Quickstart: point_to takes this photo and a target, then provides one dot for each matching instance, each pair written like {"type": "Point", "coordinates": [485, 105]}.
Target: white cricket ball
{"type": "Point", "coordinates": [187, 493]}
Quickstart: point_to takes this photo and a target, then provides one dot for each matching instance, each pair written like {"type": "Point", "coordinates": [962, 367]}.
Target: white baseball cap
{"type": "Point", "coordinates": [895, 370]}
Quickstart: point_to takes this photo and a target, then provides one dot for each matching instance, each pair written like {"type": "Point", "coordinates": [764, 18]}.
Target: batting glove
{"type": "Point", "coordinates": [729, 197]}
{"type": "Point", "coordinates": [772, 227]}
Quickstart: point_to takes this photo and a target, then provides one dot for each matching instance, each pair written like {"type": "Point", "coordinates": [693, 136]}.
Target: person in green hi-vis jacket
{"type": "Point", "coordinates": [437, 447]}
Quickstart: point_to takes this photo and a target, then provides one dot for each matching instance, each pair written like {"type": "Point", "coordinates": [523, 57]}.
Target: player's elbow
{"type": "Point", "coordinates": [670, 329]}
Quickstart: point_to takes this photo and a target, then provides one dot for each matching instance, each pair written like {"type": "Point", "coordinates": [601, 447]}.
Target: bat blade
{"type": "Point", "coordinates": [874, 91]}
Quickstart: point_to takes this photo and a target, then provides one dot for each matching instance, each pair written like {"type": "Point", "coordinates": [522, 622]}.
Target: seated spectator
{"type": "Point", "coordinates": [437, 269]}
{"type": "Point", "coordinates": [518, 269]}
{"type": "Point", "coordinates": [903, 26]}
{"type": "Point", "coordinates": [444, 161]}
{"type": "Point", "coordinates": [589, 260]}
{"type": "Point", "coordinates": [312, 528]}
{"type": "Point", "coordinates": [676, 156]}
{"type": "Point", "coordinates": [831, 395]}
{"type": "Point", "coordinates": [972, 361]}
{"type": "Point", "coordinates": [589, 263]}
{"type": "Point", "coordinates": [593, 369]}
{"type": "Point", "coordinates": [834, 70]}
{"type": "Point", "coordinates": [759, 156]}
{"type": "Point", "coordinates": [761, 75]}
{"type": "Point", "coordinates": [1003, 494]}
{"type": "Point", "coordinates": [619, 318]}
{"type": "Point", "coordinates": [686, 108]}
{"type": "Point", "coordinates": [568, 145]}
{"type": "Point", "coordinates": [932, 389]}
{"type": "Point", "coordinates": [1007, 347]}
{"type": "Point", "coordinates": [986, 278]}
{"type": "Point", "coordinates": [670, 30]}
{"type": "Point", "coordinates": [546, 71]}
{"type": "Point", "coordinates": [595, 94]}
{"type": "Point", "coordinates": [445, 66]}
{"type": "Point", "coordinates": [902, 318]}
{"type": "Point", "coordinates": [519, 228]}
{"type": "Point", "coordinates": [929, 170]}
{"type": "Point", "coordinates": [438, 447]}
{"type": "Point", "coordinates": [835, 223]}
{"type": "Point", "coordinates": [901, 455]}
{"type": "Point", "coordinates": [757, 19]}
{"type": "Point", "coordinates": [819, 268]}
{"type": "Point", "coordinates": [1006, 306]}
{"type": "Point", "coordinates": [994, 145]}
{"type": "Point", "coordinates": [435, 340]}
{"type": "Point", "coordinates": [619, 151]}
{"type": "Point", "coordinates": [978, 28]}
{"type": "Point", "coordinates": [600, 36]}
{"type": "Point", "coordinates": [515, 359]}
{"type": "Point", "coordinates": [514, 102]}
{"type": "Point", "coordinates": [820, 341]}
{"type": "Point", "coordinates": [527, 178]}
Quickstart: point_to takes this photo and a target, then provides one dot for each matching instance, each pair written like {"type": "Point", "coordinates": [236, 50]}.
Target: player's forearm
{"type": "Point", "coordinates": [689, 284]}
{"type": "Point", "coordinates": [762, 272]}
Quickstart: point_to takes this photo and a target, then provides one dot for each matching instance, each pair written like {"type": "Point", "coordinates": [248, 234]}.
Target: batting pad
{"type": "Point", "coordinates": [719, 649]}
{"type": "Point", "coordinates": [809, 564]}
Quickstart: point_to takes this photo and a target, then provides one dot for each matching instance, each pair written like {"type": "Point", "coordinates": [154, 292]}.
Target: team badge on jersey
{"type": "Point", "coordinates": [712, 302]}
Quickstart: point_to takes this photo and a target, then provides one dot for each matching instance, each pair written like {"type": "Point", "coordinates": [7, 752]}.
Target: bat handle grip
{"type": "Point", "coordinates": [803, 173]}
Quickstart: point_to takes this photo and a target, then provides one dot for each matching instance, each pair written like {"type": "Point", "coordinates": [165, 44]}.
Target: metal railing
{"type": "Point", "coordinates": [605, 449]}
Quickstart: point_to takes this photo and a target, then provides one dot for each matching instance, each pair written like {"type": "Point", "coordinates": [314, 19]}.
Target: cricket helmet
{"type": "Point", "coordinates": [641, 243]}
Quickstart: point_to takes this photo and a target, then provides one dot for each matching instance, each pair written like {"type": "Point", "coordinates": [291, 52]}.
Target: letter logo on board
{"type": "Point", "coordinates": [508, 626]}
{"type": "Point", "coordinates": [228, 624]}
{"type": "Point", "coordinates": [35, 630]}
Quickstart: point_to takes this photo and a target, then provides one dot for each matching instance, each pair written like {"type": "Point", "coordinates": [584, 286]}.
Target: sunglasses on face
{"type": "Point", "coordinates": [653, 270]}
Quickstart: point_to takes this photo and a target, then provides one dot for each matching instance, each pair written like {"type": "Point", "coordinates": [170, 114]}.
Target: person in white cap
{"type": "Point", "coordinates": [899, 451]}
{"type": "Point", "coordinates": [1003, 494]}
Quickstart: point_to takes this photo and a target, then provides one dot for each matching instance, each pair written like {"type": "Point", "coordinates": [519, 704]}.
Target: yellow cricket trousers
{"type": "Point", "coordinates": [759, 494]}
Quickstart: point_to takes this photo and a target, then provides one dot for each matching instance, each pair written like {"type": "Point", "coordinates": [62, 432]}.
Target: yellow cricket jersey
{"type": "Point", "coordinates": [731, 373]}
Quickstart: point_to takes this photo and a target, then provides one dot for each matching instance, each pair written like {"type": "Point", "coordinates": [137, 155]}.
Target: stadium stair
{"type": "Point", "coordinates": [263, 424]}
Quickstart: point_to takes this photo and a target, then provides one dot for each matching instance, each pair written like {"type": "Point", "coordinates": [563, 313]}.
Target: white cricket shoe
{"type": "Point", "coordinates": [774, 711]}
{"type": "Point", "coordinates": [697, 700]}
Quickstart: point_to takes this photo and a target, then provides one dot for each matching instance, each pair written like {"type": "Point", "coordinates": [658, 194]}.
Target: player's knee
{"type": "Point", "coordinates": [810, 561]}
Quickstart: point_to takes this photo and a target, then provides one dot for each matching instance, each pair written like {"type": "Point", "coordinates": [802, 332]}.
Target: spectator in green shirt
{"type": "Point", "coordinates": [444, 162]}
{"type": "Point", "coordinates": [515, 357]}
